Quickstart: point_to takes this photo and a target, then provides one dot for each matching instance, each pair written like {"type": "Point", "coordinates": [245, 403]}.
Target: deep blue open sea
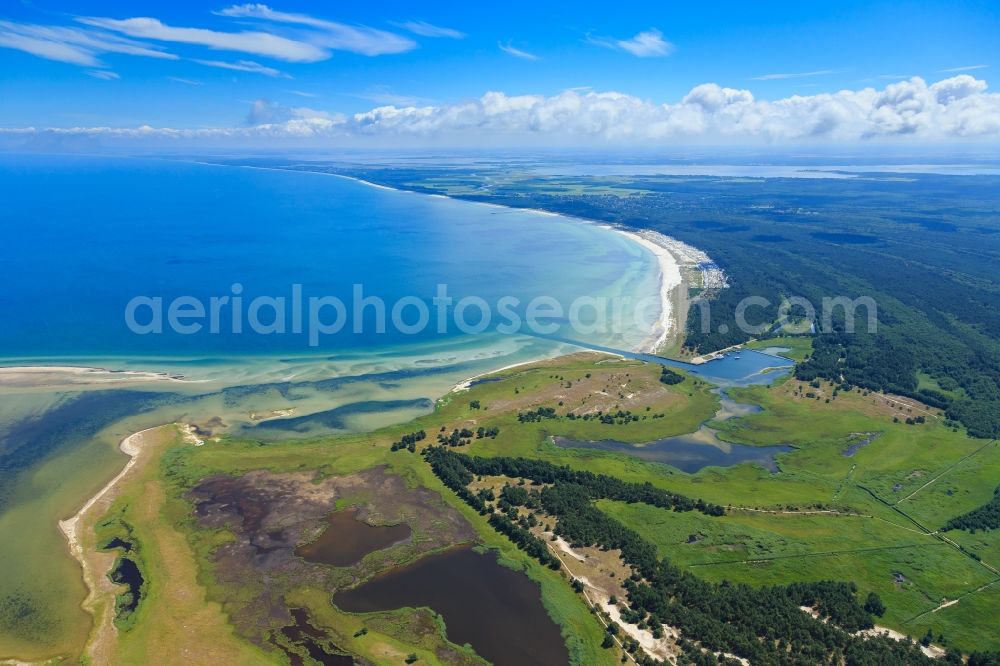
{"type": "Point", "coordinates": [85, 235]}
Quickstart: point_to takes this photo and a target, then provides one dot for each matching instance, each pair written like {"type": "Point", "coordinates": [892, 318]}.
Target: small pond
{"type": "Point", "coordinates": [494, 609]}
{"type": "Point", "coordinates": [346, 540]}
{"type": "Point", "coordinates": [688, 453]}
{"type": "Point", "coordinates": [315, 641]}
{"type": "Point", "coordinates": [858, 441]}
{"type": "Point", "coordinates": [694, 451]}
{"type": "Point", "coordinates": [127, 573]}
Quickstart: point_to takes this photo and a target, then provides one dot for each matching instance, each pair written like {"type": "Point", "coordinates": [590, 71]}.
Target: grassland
{"type": "Point", "coordinates": [869, 517]}
{"type": "Point", "coordinates": [174, 621]}
{"type": "Point", "coordinates": [172, 547]}
{"type": "Point", "coordinates": [796, 348]}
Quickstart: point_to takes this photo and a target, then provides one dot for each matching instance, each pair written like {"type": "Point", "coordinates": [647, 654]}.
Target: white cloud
{"type": "Point", "coordinates": [187, 82]}
{"type": "Point", "coordinates": [796, 75]}
{"type": "Point", "coordinates": [647, 44]}
{"type": "Point", "coordinates": [302, 93]}
{"type": "Point", "coordinates": [270, 117]}
{"type": "Point", "coordinates": [256, 42]}
{"type": "Point", "coordinates": [425, 29]}
{"type": "Point", "coordinates": [103, 74]}
{"type": "Point", "coordinates": [957, 88]}
{"type": "Point", "coordinates": [49, 50]}
{"type": "Point", "coordinates": [383, 95]}
{"type": "Point", "coordinates": [967, 68]}
{"type": "Point", "coordinates": [245, 66]}
{"type": "Point", "coordinates": [308, 39]}
{"type": "Point", "coordinates": [329, 34]}
{"type": "Point", "coordinates": [953, 109]}
{"type": "Point", "coordinates": [75, 46]}
{"type": "Point", "coordinates": [517, 53]}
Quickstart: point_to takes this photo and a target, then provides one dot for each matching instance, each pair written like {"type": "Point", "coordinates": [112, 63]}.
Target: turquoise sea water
{"type": "Point", "coordinates": [85, 236]}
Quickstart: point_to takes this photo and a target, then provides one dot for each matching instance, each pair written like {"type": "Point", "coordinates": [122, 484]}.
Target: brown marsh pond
{"type": "Point", "coordinates": [346, 540]}
{"type": "Point", "coordinates": [494, 609]}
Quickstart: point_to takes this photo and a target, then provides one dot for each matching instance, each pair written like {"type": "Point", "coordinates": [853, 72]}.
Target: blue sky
{"type": "Point", "coordinates": [66, 64]}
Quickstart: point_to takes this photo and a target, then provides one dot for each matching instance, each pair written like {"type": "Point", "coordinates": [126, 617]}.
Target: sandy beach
{"type": "Point", "coordinates": [77, 377]}
{"type": "Point", "coordinates": [670, 280]}
{"type": "Point", "coordinates": [130, 446]}
{"type": "Point", "coordinates": [465, 384]}
{"type": "Point", "coordinates": [95, 563]}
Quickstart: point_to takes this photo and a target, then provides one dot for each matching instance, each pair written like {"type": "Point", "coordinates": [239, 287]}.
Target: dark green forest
{"type": "Point", "coordinates": [986, 517]}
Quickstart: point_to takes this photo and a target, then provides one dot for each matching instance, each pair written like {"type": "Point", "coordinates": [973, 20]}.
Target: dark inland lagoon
{"type": "Point", "coordinates": [315, 641]}
{"type": "Point", "coordinates": [127, 573]}
{"type": "Point", "coordinates": [346, 539]}
{"type": "Point", "coordinates": [494, 609]}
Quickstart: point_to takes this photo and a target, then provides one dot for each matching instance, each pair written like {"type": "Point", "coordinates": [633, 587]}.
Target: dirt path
{"type": "Point", "coordinates": [590, 601]}
{"type": "Point", "coordinates": [908, 405]}
{"type": "Point", "coordinates": [948, 469]}
{"type": "Point", "coordinates": [831, 512]}
{"type": "Point", "coordinates": [800, 513]}
{"type": "Point", "coordinates": [952, 602]}
{"type": "Point", "coordinates": [825, 553]}
{"type": "Point", "coordinates": [931, 651]}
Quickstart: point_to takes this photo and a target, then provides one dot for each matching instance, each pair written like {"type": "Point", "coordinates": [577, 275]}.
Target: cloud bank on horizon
{"type": "Point", "coordinates": [958, 107]}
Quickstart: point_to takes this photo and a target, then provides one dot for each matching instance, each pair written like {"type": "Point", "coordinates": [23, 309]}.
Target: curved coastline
{"type": "Point", "coordinates": [667, 258]}
{"type": "Point", "coordinates": [132, 446]}
{"type": "Point", "coordinates": [670, 280]}
{"type": "Point", "coordinates": [103, 628]}
{"type": "Point", "coordinates": [668, 261]}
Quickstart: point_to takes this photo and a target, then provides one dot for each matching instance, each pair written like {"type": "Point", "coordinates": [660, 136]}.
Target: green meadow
{"type": "Point", "coordinates": [869, 517]}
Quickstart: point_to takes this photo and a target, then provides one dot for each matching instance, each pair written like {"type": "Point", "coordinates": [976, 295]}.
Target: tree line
{"type": "Point", "coordinates": [669, 377]}
{"type": "Point", "coordinates": [986, 517]}
{"type": "Point", "coordinates": [409, 441]}
{"type": "Point", "coordinates": [763, 625]}
{"type": "Point", "coordinates": [599, 486]}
